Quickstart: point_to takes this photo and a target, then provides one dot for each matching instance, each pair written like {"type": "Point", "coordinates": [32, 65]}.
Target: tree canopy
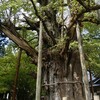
{"type": "Point", "coordinates": [19, 21]}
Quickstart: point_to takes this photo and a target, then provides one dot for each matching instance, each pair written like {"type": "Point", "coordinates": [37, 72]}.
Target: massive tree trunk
{"type": "Point", "coordinates": [63, 78]}
{"type": "Point", "coordinates": [62, 69]}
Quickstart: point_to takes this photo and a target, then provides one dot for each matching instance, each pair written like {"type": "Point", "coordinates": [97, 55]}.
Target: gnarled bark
{"type": "Point", "coordinates": [62, 83]}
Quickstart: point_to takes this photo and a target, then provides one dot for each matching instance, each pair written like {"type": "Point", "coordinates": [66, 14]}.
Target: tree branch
{"type": "Point", "coordinates": [36, 11]}
{"type": "Point", "coordinates": [92, 8]}
{"type": "Point", "coordinates": [27, 28]}
{"type": "Point", "coordinates": [32, 24]}
{"type": "Point", "coordinates": [21, 43]}
{"type": "Point", "coordinates": [85, 6]}
{"type": "Point", "coordinates": [96, 7]}
{"type": "Point", "coordinates": [91, 20]}
{"type": "Point", "coordinates": [45, 27]}
{"type": "Point", "coordinates": [35, 25]}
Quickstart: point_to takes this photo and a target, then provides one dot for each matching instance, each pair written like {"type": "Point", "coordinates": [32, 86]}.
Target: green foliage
{"type": "Point", "coordinates": [26, 81]}
{"type": "Point", "coordinates": [10, 4]}
{"type": "Point", "coordinates": [61, 42]}
{"type": "Point", "coordinates": [74, 45]}
{"type": "Point", "coordinates": [7, 71]}
{"type": "Point", "coordinates": [91, 45]}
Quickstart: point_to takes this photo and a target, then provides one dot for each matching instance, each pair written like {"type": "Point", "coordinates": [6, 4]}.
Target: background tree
{"type": "Point", "coordinates": [27, 75]}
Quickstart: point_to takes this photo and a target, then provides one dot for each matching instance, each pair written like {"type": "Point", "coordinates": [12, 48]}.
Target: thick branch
{"type": "Point", "coordinates": [83, 4]}
{"type": "Point", "coordinates": [45, 27]}
{"type": "Point", "coordinates": [35, 26]}
{"type": "Point", "coordinates": [91, 20]}
{"type": "Point", "coordinates": [27, 28]}
{"type": "Point", "coordinates": [36, 11]}
{"type": "Point", "coordinates": [87, 7]}
{"type": "Point", "coordinates": [21, 43]}
{"type": "Point", "coordinates": [81, 14]}
{"type": "Point", "coordinates": [96, 7]}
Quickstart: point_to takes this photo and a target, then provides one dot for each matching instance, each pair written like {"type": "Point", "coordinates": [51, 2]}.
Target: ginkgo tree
{"type": "Point", "coordinates": [61, 71]}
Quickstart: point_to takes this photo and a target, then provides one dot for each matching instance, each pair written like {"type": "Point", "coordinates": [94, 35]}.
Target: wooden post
{"type": "Point", "coordinates": [16, 76]}
{"type": "Point", "coordinates": [38, 83]}
{"type": "Point", "coordinates": [82, 60]}
{"type": "Point", "coordinates": [91, 84]}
